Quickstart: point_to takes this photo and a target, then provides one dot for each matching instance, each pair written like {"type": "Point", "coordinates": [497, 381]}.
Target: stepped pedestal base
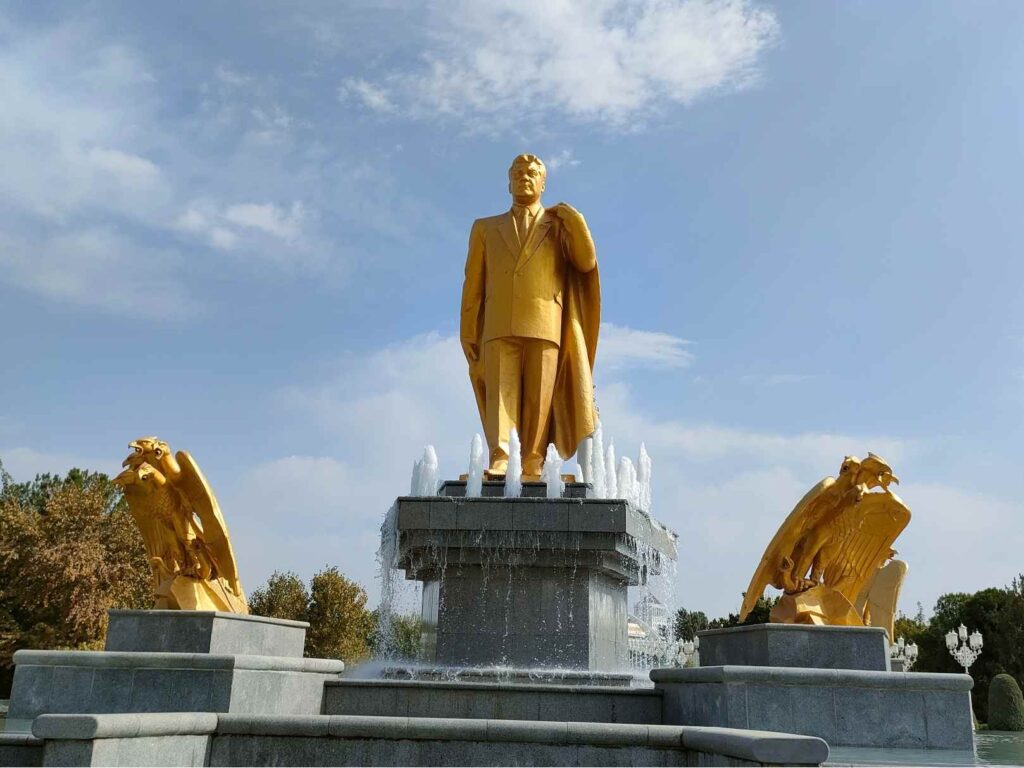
{"type": "Point", "coordinates": [527, 582]}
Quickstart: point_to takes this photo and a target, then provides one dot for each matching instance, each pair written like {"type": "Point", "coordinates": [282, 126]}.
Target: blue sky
{"type": "Point", "coordinates": [243, 228]}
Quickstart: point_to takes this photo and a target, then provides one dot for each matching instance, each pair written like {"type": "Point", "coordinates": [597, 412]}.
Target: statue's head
{"type": "Point", "coordinates": [526, 179]}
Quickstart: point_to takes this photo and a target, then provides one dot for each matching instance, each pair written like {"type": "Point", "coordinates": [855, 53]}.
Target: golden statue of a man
{"type": "Point", "coordinates": [531, 311]}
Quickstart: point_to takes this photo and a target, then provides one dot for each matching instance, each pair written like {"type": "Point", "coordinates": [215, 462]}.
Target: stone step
{"type": "Point", "coordinates": [115, 682]}
{"type": "Point", "coordinates": [215, 740]}
{"type": "Point", "coordinates": [492, 701]}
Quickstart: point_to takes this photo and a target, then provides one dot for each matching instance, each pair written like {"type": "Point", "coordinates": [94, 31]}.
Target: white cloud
{"type": "Point", "coordinates": [129, 169]}
{"type": "Point", "coordinates": [269, 218]}
{"type": "Point", "coordinates": [98, 267]}
{"type": "Point", "coordinates": [611, 61]}
{"type": "Point", "coordinates": [621, 347]}
{"type": "Point", "coordinates": [562, 159]}
{"type": "Point", "coordinates": [372, 96]}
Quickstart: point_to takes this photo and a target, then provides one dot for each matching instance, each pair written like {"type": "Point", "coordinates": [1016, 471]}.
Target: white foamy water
{"type": "Point", "coordinates": [610, 478]}
{"type": "Point", "coordinates": [552, 473]}
{"type": "Point", "coordinates": [475, 478]}
{"type": "Point", "coordinates": [643, 479]}
{"type": "Point", "coordinates": [514, 473]}
{"type": "Point", "coordinates": [600, 487]}
{"type": "Point", "coordinates": [426, 478]}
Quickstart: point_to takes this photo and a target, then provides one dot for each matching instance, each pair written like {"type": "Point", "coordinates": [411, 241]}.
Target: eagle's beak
{"type": "Point", "coordinates": [895, 479]}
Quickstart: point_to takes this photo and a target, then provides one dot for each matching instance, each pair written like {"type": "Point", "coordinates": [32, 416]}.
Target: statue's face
{"type": "Point", "coordinates": [526, 181]}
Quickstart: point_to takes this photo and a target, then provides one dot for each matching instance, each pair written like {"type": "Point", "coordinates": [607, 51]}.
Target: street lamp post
{"type": "Point", "coordinates": [689, 650]}
{"type": "Point", "coordinates": [903, 651]}
{"type": "Point", "coordinates": [963, 647]}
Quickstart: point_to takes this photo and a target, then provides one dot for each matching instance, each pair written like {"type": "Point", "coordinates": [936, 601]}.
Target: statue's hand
{"type": "Point", "coordinates": [566, 213]}
{"type": "Point", "coordinates": [472, 351]}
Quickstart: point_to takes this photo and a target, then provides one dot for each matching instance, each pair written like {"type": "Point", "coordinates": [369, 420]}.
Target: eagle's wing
{"type": "Point", "coordinates": [880, 596]}
{"type": "Point", "coordinates": [215, 531]}
{"type": "Point", "coordinates": [792, 528]}
{"type": "Point", "coordinates": [862, 540]}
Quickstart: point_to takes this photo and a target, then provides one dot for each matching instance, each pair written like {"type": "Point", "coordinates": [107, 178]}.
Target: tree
{"type": "Point", "coordinates": [69, 552]}
{"type": "Point", "coordinates": [759, 614]}
{"type": "Point", "coordinates": [340, 627]}
{"type": "Point", "coordinates": [284, 596]}
{"type": "Point", "coordinates": [339, 624]}
{"type": "Point", "coordinates": [998, 613]}
{"type": "Point", "coordinates": [402, 642]}
{"type": "Point", "coordinates": [689, 623]}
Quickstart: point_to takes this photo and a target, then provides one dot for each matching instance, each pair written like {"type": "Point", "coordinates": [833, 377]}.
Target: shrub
{"type": "Point", "coordinates": [1005, 704]}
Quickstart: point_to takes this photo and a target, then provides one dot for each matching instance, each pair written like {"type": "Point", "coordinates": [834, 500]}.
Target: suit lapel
{"type": "Point", "coordinates": [535, 237]}
{"type": "Point", "coordinates": [507, 229]}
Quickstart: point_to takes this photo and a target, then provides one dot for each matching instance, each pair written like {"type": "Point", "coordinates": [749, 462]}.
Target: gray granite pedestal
{"type": "Point", "coordinates": [176, 661]}
{"type": "Point", "coordinates": [530, 581]}
{"type": "Point", "coordinates": [830, 682]}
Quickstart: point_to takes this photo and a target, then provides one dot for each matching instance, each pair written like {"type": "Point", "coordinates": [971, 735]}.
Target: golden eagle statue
{"type": "Point", "coordinates": [829, 556]}
{"type": "Point", "coordinates": [185, 535]}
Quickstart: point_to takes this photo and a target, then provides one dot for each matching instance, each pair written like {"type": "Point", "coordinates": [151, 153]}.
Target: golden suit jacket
{"type": "Point", "coordinates": [548, 288]}
{"type": "Point", "coordinates": [513, 291]}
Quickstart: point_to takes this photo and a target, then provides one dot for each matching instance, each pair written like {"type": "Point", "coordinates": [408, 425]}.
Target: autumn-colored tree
{"type": "Point", "coordinates": [340, 626]}
{"type": "Point", "coordinates": [339, 623]}
{"type": "Point", "coordinates": [69, 551]}
{"type": "Point", "coordinates": [284, 596]}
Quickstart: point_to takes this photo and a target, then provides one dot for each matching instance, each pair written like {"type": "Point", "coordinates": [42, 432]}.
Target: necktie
{"type": "Point", "coordinates": [523, 223]}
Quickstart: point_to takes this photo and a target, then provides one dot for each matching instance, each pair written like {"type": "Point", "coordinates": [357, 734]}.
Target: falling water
{"type": "Point", "coordinates": [611, 484]}
{"type": "Point", "coordinates": [475, 478]}
{"type": "Point", "coordinates": [643, 478]}
{"type": "Point", "coordinates": [552, 473]}
{"type": "Point", "coordinates": [387, 563]}
{"type": "Point", "coordinates": [514, 473]}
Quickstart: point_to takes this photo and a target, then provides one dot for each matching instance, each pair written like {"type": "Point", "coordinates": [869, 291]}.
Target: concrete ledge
{"type": "Point", "coordinates": [459, 685]}
{"type": "Point", "coordinates": [119, 612]}
{"type": "Point", "coordinates": [88, 727]}
{"type": "Point", "coordinates": [854, 708]}
{"type": "Point", "coordinates": [20, 749]}
{"type": "Point", "coordinates": [796, 645]}
{"type": "Point", "coordinates": [851, 678]}
{"type": "Point", "coordinates": [125, 739]}
{"type": "Point", "coordinates": [213, 632]}
{"type": "Point", "coordinates": [161, 660]}
{"type": "Point", "coordinates": [490, 701]}
{"type": "Point", "coordinates": [756, 746]}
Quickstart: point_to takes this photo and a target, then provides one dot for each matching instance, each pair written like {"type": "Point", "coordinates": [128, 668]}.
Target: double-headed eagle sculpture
{"type": "Point", "coordinates": [829, 556]}
{"type": "Point", "coordinates": [183, 530]}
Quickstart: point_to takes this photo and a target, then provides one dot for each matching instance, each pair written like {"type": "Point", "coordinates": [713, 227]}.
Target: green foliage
{"type": "Point", "coordinates": [689, 623]}
{"type": "Point", "coordinates": [405, 637]}
{"type": "Point", "coordinates": [760, 614]}
{"type": "Point", "coordinates": [339, 624]}
{"type": "Point", "coordinates": [998, 613]}
{"type": "Point", "coordinates": [284, 596]}
{"type": "Point", "coordinates": [1005, 704]}
{"type": "Point", "coordinates": [69, 551]}
{"type": "Point", "coordinates": [340, 627]}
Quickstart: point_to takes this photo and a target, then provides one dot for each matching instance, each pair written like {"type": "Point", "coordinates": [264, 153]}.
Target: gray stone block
{"type": "Point", "coordinates": [112, 682]}
{"type": "Point", "coordinates": [20, 749]}
{"type": "Point", "coordinates": [846, 707]}
{"type": "Point", "coordinates": [210, 632]}
{"type": "Point", "coordinates": [793, 645]}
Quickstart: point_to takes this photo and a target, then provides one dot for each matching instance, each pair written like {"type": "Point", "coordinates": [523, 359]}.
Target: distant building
{"type": "Point", "coordinates": [653, 615]}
